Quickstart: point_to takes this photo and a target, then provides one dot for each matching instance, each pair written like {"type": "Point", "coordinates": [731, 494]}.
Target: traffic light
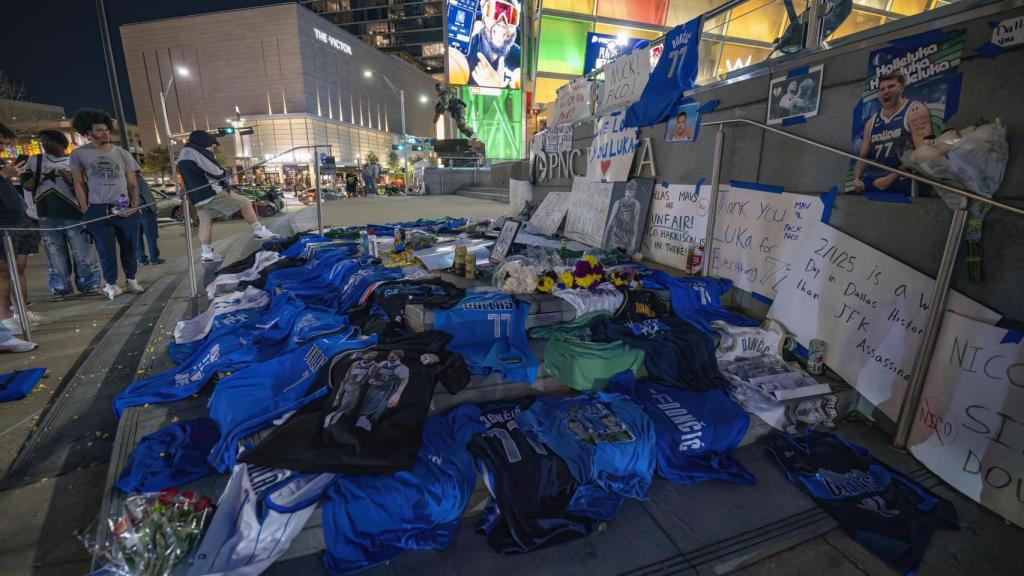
{"type": "Point", "coordinates": [417, 148]}
{"type": "Point", "coordinates": [398, 147]}
{"type": "Point", "coordinates": [226, 131]}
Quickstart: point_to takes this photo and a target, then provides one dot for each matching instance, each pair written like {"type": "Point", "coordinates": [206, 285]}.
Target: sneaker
{"type": "Point", "coordinates": [58, 297]}
{"type": "Point", "coordinates": [155, 261]}
{"type": "Point", "coordinates": [143, 261]}
{"type": "Point", "coordinates": [132, 286]}
{"type": "Point", "coordinates": [37, 319]}
{"type": "Point", "coordinates": [13, 344]}
{"type": "Point", "coordinates": [91, 292]}
{"type": "Point", "coordinates": [212, 257]}
{"type": "Point", "coordinates": [262, 233]}
{"type": "Point", "coordinates": [13, 324]}
{"type": "Point", "coordinates": [112, 291]}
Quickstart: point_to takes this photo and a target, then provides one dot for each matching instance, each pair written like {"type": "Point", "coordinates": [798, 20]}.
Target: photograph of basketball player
{"type": "Point", "coordinates": [493, 57]}
{"type": "Point", "coordinates": [899, 126]}
{"type": "Point", "coordinates": [623, 230]}
{"type": "Point", "coordinates": [351, 387]}
{"type": "Point", "coordinates": [684, 127]}
{"type": "Point", "coordinates": [386, 383]}
{"type": "Point", "coordinates": [796, 95]}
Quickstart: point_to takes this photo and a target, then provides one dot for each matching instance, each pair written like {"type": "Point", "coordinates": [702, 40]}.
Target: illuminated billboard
{"type": "Point", "coordinates": [603, 48]}
{"type": "Point", "coordinates": [483, 43]}
{"type": "Point", "coordinates": [497, 116]}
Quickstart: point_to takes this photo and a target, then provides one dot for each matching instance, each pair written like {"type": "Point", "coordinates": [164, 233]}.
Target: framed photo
{"type": "Point", "coordinates": [505, 239]}
{"type": "Point", "coordinates": [795, 95]}
{"type": "Point", "coordinates": [684, 124]}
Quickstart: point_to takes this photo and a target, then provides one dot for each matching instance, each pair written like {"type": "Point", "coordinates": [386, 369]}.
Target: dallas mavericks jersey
{"type": "Point", "coordinates": [489, 330]}
{"type": "Point", "coordinates": [878, 507]}
{"type": "Point", "coordinates": [607, 442]}
{"type": "Point", "coordinates": [197, 328]}
{"type": "Point", "coordinates": [299, 246]}
{"type": "Point", "coordinates": [224, 282]}
{"type": "Point", "coordinates": [890, 137]}
{"type": "Point", "coordinates": [356, 285]}
{"type": "Point", "coordinates": [698, 300]}
{"type": "Point", "coordinates": [748, 342]}
{"type": "Point", "coordinates": [223, 324]}
{"type": "Point", "coordinates": [696, 431]}
{"type": "Point", "coordinates": [258, 515]}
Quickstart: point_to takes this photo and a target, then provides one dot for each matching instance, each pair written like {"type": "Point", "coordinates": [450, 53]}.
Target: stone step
{"type": "Point", "coordinates": [485, 193]}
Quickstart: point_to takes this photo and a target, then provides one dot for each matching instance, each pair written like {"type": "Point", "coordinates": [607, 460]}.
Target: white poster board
{"type": "Point", "coordinates": [969, 427]}
{"type": "Point", "coordinates": [549, 215]}
{"type": "Point", "coordinates": [677, 219]}
{"type": "Point", "coordinates": [624, 81]}
{"type": "Point", "coordinates": [610, 156]}
{"type": "Point", "coordinates": [752, 230]}
{"type": "Point", "coordinates": [573, 103]}
{"type": "Point", "coordinates": [558, 138]}
{"type": "Point", "coordinates": [588, 211]}
{"type": "Point", "coordinates": [869, 308]}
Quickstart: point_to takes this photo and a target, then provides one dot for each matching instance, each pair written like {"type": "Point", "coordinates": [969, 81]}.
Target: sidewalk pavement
{"type": "Point", "coordinates": [384, 209]}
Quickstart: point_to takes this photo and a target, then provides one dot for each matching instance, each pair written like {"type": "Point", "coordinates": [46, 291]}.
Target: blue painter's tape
{"type": "Point", "coordinates": [829, 200]}
{"type": "Point", "coordinates": [801, 352]}
{"type": "Point", "coordinates": [1012, 337]}
{"type": "Point", "coordinates": [794, 120]}
{"type": "Point", "coordinates": [989, 50]}
{"type": "Point", "coordinates": [953, 102]}
{"type": "Point", "coordinates": [771, 188]}
{"type": "Point", "coordinates": [708, 106]}
{"type": "Point", "coordinates": [616, 113]}
{"type": "Point", "coordinates": [993, 24]}
{"type": "Point", "coordinates": [664, 183]}
{"type": "Point", "coordinates": [798, 71]}
{"type": "Point", "coordinates": [922, 38]}
{"type": "Point", "coordinates": [696, 189]}
{"type": "Point", "coordinates": [890, 197]}
{"type": "Point", "coordinates": [762, 298]}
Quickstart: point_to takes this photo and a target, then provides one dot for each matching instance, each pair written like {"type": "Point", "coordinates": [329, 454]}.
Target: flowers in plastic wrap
{"type": "Point", "coordinates": [974, 157]}
{"type": "Point", "coordinates": [588, 272]}
{"type": "Point", "coordinates": [517, 276]}
{"type": "Point", "coordinates": [546, 283]}
{"type": "Point", "coordinates": [624, 278]}
{"type": "Point", "coordinates": [151, 533]}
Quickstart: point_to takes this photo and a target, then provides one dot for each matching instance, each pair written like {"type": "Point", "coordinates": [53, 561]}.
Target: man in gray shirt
{"type": "Point", "coordinates": [106, 188]}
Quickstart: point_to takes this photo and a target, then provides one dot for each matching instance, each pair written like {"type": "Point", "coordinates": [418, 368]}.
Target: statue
{"type": "Point", "coordinates": [447, 101]}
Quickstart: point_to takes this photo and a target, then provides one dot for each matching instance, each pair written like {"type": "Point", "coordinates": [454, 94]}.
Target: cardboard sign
{"type": "Point", "coordinates": [549, 215]}
{"type": "Point", "coordinates": [558, 138]}
{"type": "Point", "coordinates": [588, 211]}
{"type": "Point", "coordinates": [611, 151]}
{"type": "Point", "coordinates": [624, 81]}
{"type": "Point", "coordinates": [678, 218]}
{"type": "Point", "coordinates": [573, 102]}
{"type": "Point", "coordinates": [969, 427]}
{"type": "Point", "coordinates": [869, 308]}
{"type": "Point", "coordinates": [1009, 32]}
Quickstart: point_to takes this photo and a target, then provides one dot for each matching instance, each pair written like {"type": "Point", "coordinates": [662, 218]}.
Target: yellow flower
{"type": "Point", "coordinates": [566, 279]}
{"type": "Point", "coordinates": [588, 280]}
{"type": "Point", "coordinates": [545, 284]}
{"type": "Point", "coordinates": [590, 259]}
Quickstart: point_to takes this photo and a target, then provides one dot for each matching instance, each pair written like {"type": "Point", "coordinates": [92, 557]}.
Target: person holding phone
{"type": "Point", "coordinates": [106, 189]}
{"type": "Point", "coordinates": [12, 215]}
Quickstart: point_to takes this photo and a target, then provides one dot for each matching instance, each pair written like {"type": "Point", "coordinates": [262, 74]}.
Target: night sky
{"type": "Point", "coordinates": [60, 58]}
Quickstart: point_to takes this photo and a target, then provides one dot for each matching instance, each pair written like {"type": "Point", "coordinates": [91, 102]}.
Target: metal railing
{"type": "Point", "coordinates": [943, 278]}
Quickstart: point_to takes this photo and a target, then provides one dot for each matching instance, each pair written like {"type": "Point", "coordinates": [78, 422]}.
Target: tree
{"type": "Point", "coordinates": [156, 163]}
{"type": "Point", "coordinates": [371, 157]}
{"type": "Point", "coordinates": [394, 164]}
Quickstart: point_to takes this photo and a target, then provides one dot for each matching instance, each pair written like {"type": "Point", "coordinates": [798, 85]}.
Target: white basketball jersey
{"type": "Point", "coordinates": [229, 281]}
{"type": "Point", "coordinates": [743, 342]}
{"type": "Point", "coordinates": [197, 328]}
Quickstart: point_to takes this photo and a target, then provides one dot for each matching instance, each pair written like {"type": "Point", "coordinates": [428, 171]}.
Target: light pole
{"type": "Point", "coordinates": [185, 209]}
{"type": "Point", "coordinates": [405, 136]}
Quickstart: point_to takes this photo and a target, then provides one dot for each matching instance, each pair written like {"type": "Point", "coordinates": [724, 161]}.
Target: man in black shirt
{"type": "Point", "coordinates": [12, 214]}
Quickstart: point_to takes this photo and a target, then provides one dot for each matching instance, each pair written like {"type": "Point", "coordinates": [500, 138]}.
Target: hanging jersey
{"type": "Point", "coordinates": [884, 511]}
{"type": "Point", "coordinates": [252, 398]}
{"type": "Point", "coordinates": [371, 420]}
{"type": "Point", "coordinates": [258, 515]}
{"type": "Point", "coordinates": [606, 440]}
{"type": "Point", "coordinates": [602, 298]}
{"type": "Point", "coordinates": [226, 282]}
{"type": "Point", "coordinates": [197, 328]}
{"type": "Point", "coordinates": [489, 330]}
{"type": "Point", "coordinates": [573, 357]}
{"type": "Point", "coordinates": [696, 431]}
{"type": "Point", "coordinates": [749, 342]}
{"type": "Point", "coordinates": [170, 457]}
{"type": "Point", "coordinates": [698, 300]}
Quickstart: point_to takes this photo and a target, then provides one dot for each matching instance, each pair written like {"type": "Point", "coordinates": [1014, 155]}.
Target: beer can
{"type": "Point", "coordinates": [460, 260]}
{"type": "Point", "coordinates": [815, 356]}
{"type": "Point", "coordinates": [470, 266]}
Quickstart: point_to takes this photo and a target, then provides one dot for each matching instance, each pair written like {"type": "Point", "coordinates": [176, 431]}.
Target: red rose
{"type": "Point", "coordinates": [166, 496]}
{"type": "Point", "coordinates": [203, 504]}
{"type": "Point", "coordinates": [189, 495]}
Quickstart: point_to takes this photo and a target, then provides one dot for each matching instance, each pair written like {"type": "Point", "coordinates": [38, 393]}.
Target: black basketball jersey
{"type": "Point", "coordinates": [884, 511]}
{"type": "Point", "coordinates": [640, 305]}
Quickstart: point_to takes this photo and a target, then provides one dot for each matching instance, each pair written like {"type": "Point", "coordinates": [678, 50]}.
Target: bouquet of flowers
{"type": "Point", "coordinates": [516, 276]}
{"type": "Point", "coordinates": [587, 273]}
{"type": "Point", "coordinates": [625, 278]}
{"type": "Point", "coordinates": [153, 532]}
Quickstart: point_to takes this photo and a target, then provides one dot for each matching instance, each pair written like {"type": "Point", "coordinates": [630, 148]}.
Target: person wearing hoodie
{"type": "Point", "coordinates": [207, 184]}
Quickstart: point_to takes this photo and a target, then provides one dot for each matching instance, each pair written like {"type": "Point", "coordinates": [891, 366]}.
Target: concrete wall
{"type": "Point", "coordinates": [915, 234]}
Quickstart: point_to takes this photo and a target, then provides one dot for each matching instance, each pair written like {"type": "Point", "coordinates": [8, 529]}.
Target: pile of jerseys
{"type": "Point", "coordinates": [489, 330]}
{"type": "Point", "coordinates": [572, 355]}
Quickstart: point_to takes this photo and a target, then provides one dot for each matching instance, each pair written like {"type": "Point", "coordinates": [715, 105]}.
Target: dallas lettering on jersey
{"type": "Point", "coordinates": [691, 429]}
{"type": "Point", "coordinates": [916, 66]}
{"type": "Point", "coordinates": [886, 135]}
{"type": "Point", "coordinates": [849, 484]}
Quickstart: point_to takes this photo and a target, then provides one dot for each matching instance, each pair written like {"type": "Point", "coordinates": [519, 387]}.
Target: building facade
{"type": "Point", "coordinates": [284, 71]}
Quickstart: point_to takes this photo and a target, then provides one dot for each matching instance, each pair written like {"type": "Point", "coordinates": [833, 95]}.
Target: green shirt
{"type": "Point", "coordinates": [584, 365]}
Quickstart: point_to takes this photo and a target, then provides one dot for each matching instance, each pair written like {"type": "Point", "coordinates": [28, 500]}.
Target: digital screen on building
{"type": "Point", "coordinates": [603, 48]}
{"type": "Point", "coordinates": [483, 43]}
{"type": "Point", "coordinates": [497, 117]}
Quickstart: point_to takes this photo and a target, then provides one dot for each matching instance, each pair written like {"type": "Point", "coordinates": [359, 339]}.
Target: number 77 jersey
{"type": "Point", "coordinates": [489, 330]}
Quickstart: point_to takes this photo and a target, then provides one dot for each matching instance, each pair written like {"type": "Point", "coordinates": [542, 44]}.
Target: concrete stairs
{"type": "Point", "coordinates": [488, 192]}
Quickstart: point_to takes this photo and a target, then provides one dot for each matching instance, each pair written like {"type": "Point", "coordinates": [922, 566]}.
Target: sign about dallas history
{"type": "Point", "coordinates": [678, 218]}
{"type": "Point", "coordinates": [869, 308]}
{"type": "Point", "coordinates": [969, 426]}
{"type": "Point", "coordinates": [588, 211]}
{"type": "Point", "coordinates": [611, 152]}
{"type": "Point", "coordinates": [624, 81]}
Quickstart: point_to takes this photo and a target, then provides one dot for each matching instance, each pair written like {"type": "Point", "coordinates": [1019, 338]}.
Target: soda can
{"type": "Point", "coordinates": [815, 356]}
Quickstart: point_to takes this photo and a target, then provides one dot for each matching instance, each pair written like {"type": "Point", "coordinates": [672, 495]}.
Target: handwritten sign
{"type": "Point", "coordinates": [558, 138]}
{"type": "Point", "coordinates": [588, 211]}
{"type": "Point", "coordinates": [549, 215]}
{"type": "Point", "coordinates": [969, 427]}
{"type": "Point", "coordinates": [752, 229]}
{"type": "Point", "coordinates": [869, 309]}
{"type": "Point", "coordinates": [573, 102]}
{"type": "Point", "coordinates": [624, 81]}
{"type": "Point", "coordinates": [611, 151]}
{"type": "Point", "coordinates": [1009, 32]}
{"type": "Point", "coordinates": [678, 219]}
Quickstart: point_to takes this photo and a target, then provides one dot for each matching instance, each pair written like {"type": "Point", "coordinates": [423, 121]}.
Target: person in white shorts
{"type": "Point", "coordinates": [207, 184]}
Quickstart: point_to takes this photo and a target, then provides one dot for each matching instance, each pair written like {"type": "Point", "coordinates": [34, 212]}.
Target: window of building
{"type": "Point", "coordinates": [546, 89]}
{"type": "Point", "coordinates": [646, 11]}
{"type": "Point", "coordinates": [578, 6]}
{"type": "Point", "coordinates": [628, 32]}
{"type": "Point", "coordinates": [563, 45]}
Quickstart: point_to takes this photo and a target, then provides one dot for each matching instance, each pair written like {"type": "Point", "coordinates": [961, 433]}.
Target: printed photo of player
{"type": "Point", "coordinates": [795, 95]}
{"type": "Point", "coordinates": [899, 126]}
{"type": "Point", "coordinates": [351, 388]}
{"type": "Point", "coordinates": [684, 127]}
{"type": "Point", "coordinates": [387, 381]}
{"type": "Point", "coordinates": [493, 59]}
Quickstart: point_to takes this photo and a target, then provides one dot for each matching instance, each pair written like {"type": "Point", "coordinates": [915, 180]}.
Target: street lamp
{"type": "Point", "coordinates": [186, 212]}
{"type": "Point", "coordinates": [405, 137]}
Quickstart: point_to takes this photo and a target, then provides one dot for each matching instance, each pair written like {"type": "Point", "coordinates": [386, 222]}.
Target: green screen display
{"type": "Point", "coordinates": [497, 116]}
{"type": "Point", "coordinates": [563, 45]}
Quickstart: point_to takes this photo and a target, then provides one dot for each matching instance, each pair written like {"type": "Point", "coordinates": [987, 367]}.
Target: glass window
{"type": "Point", "coordinates": [563, 45]}
{"type": "Point", "coordinates": [736, 56]}
{"type": "Point", "coordinates": [857, 22]}
{"type": "Point", "coordinates": [646, 11]}
{"type": "Point", "coordinates": [762, 20]}
{"type": "Point", "coordinates": [546, 90]}
{"type": "Point", "coordinates": [578, 6]}
{"type": "Point", "coordinates": [629, 32]}
{"type": "Point", "coordinates": [909, 7]}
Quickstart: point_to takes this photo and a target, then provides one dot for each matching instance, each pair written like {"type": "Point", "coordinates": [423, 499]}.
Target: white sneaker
{"type": "Point", "coordinates": [212, 257]}
{"type": "Point", "coordinates": [262, 233]}
{"type": "Point", "coordinates": [112, 291]}
{"type": "Point", "coordinates": [13, 344]}
{"type": "Point", "coordinates": [13, 324]}
{"type": "Point", "coordinates": [133, 287]}
{"type": "Point", "coordinates": [37, 319]}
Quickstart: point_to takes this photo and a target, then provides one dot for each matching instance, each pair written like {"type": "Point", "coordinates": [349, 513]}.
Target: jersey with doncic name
{"type": "Point", "coordinates": [749, 341]}
{"type": "Point", "coordinates": [489, 330]}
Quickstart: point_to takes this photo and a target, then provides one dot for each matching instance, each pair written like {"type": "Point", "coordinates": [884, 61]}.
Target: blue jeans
{"type": "Point", "coordinates": [111, 233]}
{"type": "Point", "coordinates": [369, 187]}
{"type": "Point", "coordinates": [148, 233]}
{"type": "Point", "coordinates": [64, 247]}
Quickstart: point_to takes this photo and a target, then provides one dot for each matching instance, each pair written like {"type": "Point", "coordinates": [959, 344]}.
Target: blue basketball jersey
{"type": "Point", "coordinates": [606, 440]}
{"type": "Point", "coordinates": [222, 324]}
{"type": "Point", "coordinates": [696, 431]}
{"type": "Point", "coordinates": [299, 246]}
{"type": "Point", "coordinates": [698, 300]}
{"type": "Point", "coordinates": [170, 457]}
{"type": "Point", "coordinates": [489, 330]}
{"type": "Point", "coordinates": [890, 138]}
{"type": "Point", "coordinates": [357, 284]}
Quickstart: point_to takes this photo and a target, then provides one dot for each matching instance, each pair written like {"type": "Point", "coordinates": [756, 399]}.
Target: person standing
{"type": "Point", "coordinates": [149, 231]}
{"type": "Point", "coordinates": [207, 181]}
{"type": "Point", "coordinates": [106, 188]}
{"type": "Point", "coordinates": [49, 178]}
{"type": "Point", "coordinates": [369, 184]}
{"type": "Point", "coordinates": [351, 184]}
